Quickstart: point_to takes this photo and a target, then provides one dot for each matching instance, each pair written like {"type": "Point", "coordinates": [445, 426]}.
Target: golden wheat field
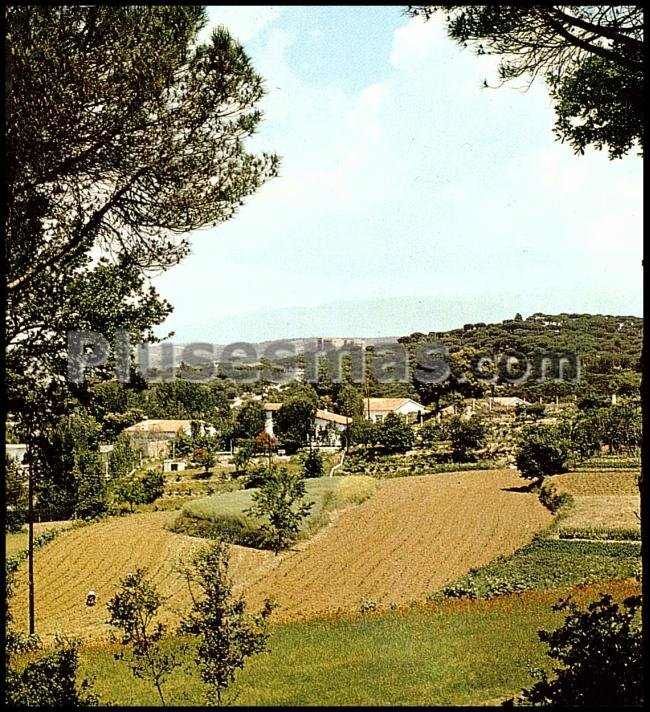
{"type": "Point", "coordinates": [412, 537]}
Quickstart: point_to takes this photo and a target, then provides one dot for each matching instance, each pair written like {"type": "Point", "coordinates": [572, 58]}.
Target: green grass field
{"type": "Point", "coordinates": [225, 515]}
{"type": "Point", "coordinates": [462, 652]}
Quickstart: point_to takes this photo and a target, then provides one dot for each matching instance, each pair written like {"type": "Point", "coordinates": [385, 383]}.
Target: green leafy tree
{"type": "Point", "coordinates": [431, 433]}
{"type": "Point", "coordinates": [128, 489]}
{"type": "Point", "coordinates": [600, 651]}
{"type": "Point", "coordinates": [114, 423]}
{"type": "Point", "coordinates": [90, 485]}
{"type": "Point", "coordinates": [394, 434]}
{"type": "Point", "coordinates": [364, 432]}
{"type": "Point", "coordinates": [350, 401]}
{"type": "Point", "coordinates": [249, 421]}
{"type": "Point", "coordinates": [621, 427]}
{"type": "Point", "coordinates": [69, 471]}
{"type": "Point", "coordinates": [243, 455]}
{"type": "Point", "coordinates": [281, 500]}
{"type": "Point", "coordinates": [123, 458]}
{"type": "Point", "coordinates": [295, 421]}
{"type": "Point", "coordinates": [467, 437]}
{"type": "Point", "coordinates": [227, 634]}
{"type": "Point", "coordinates": [590, 56]}
{"type": "Point", "coordinates": [153, 485]}
{"type": "Point", "coordinates": [542, 452]}
{"type": "Point", "coordinates": [133, 610]}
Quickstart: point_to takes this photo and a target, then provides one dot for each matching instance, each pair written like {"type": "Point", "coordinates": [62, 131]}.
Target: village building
{"type": "Point", "coordinates": [328, 427]}
{"type": "Point", "coordinates": [376, 409]}
{"type": "Point", "coordinates": [153, 436]}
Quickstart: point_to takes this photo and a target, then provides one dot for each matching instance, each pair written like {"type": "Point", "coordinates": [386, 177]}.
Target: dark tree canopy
{"type": "Point", "coordinates": [591, 57]}
{"type": "Point", "coordinates": [123, 133]}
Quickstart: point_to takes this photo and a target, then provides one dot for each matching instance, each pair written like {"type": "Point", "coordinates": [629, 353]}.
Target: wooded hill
{"type": "Point", "coordinates": [609, 348]}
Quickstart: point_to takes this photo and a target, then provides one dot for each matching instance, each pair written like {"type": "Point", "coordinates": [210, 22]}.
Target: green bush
{"type": "Point", "coordinates": [601, 655]}
{"type": "Point", "coordinates": [552, 499]}
{"type": "Point", "coordinates": [395, 434]}
{"type": "Point", "coordinates": [313, 464]}
{"type": "Point", "coordinates": [467, 438]}
{"type": "Point", "coordinates": [541, 453]}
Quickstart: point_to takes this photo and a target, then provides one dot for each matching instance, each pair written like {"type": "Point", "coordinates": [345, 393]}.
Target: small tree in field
{"type": "Point", "coordinates": [241, 459]}
{"type": "Point", "coordinates": [541, 452]}
{"type": "Point", "coordinates": [153, 485]}
{"type": "Point", "coordinates": [133, 611]}
{"type": "Point", "coordinates": [467, 436]}
{"type": "Point", "coordinates": [280, 499]}
{"type": "Point", "coordinates": [313, 464]}
{"type": "Point", "coordinates": [601, 652]}
{"type": "Point", "coordinates": [228, 635]}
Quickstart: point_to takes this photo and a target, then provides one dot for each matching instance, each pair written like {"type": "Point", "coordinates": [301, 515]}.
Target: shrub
{"type": "Point", "coordinates": [153, 485]}
{"type": "Point", "coordinates": [601, 656]}
{"type": "Point", "coordinates": [243, 456]}
{"type": "Point", "coordinates": [312, 464]}
{"type": "Point", "coordinates": [552, 499]}
{"type": "Point", "coordinates": [232, 528]}
{"type": "Point", "coordinates": [431, 433]}
{"type": "Point", "coordinates": [395, 434]}
{"type": "Point", "coordinates": [364, 432]}
{"type": "Point", "coordinates": [541, 453]}
{"type": "Point", "coordinates": [50, 681]}
{"type": "Point", "coordinates": [467, 437]}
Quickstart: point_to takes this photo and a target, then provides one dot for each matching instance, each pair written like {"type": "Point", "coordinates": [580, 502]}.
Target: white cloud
{"type": "Point", "coordinates": [244, 22]}
{"type": "Point", "coordinates": [413, 42]}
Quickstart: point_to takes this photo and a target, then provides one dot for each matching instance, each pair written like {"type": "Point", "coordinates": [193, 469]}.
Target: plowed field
{"type": "Point", "coordinates": [412, 537]}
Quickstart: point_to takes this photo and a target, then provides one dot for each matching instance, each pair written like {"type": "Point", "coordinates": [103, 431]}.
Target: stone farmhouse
{"type": "Point", "coordinates": [153, 437]}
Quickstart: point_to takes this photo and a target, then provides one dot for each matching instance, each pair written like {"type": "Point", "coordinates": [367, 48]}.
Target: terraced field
{"type": "Point", "coordinates": [413, 536]}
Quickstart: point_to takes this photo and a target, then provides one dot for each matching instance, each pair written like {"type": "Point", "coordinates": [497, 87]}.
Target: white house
{"type": "Point", "coordinates": [328, 426]}
{"type": "Point", "coordinates": [376, 409]}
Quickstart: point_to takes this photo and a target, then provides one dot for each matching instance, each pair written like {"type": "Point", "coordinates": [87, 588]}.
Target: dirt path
{"type": "Point", "coordinates": [415, 535]}
{"type": "Point", "coordinates": [412, 537]}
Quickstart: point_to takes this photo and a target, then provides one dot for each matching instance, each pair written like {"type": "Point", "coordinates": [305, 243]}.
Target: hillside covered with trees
{"type": "Point", "coordinates": [608, 347]}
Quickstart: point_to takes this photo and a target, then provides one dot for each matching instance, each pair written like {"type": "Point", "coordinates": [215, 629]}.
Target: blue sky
{"type": "Point", "coordinates": [409, 196]}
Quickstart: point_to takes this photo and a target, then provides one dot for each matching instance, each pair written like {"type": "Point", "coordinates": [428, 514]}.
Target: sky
{"type": "Point", "coordinates": [410, 197]}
